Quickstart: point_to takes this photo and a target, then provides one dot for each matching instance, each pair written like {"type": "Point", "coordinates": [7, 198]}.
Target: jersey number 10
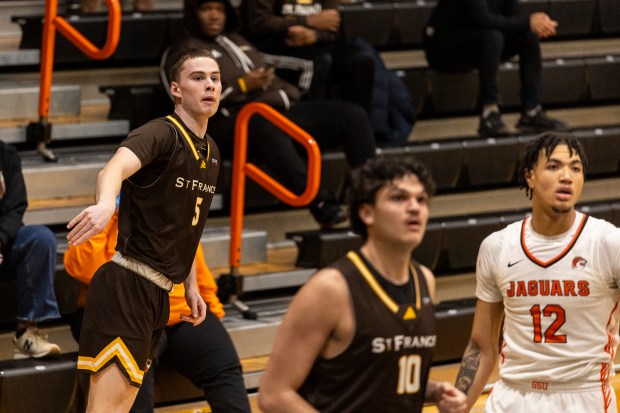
{"type": "Point", "coordinates": [409, 374]}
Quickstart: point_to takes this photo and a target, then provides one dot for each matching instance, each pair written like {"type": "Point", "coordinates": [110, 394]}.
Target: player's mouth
{"type": "Point", "coordinates": [414, 224]}
{"type": "Point", "coordinates": [564, 193]}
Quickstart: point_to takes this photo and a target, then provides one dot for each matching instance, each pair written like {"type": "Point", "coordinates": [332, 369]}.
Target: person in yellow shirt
{"type": "Point", "coordinates": [204, 353]}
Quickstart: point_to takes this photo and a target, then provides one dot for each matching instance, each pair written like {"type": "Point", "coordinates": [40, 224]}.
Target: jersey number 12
{"type": "Point", "coordinates": [550, 335]}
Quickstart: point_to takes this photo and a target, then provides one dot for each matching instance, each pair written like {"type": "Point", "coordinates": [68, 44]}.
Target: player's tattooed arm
{"type": "Point", "coordinates": [469, 367]}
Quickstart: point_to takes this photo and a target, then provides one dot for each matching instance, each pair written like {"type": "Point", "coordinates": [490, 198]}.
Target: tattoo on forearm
{"type": "Point", "coordinates": [469, 367]}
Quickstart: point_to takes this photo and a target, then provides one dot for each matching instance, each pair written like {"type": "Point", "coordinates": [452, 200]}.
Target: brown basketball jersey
{"type": "Point", "coordinates": [385, 368]}
{"type": "Point", "coordinates": [164, 206]}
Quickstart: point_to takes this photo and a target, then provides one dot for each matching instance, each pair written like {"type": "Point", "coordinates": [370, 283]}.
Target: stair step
{"type": "Point", "coordinates": [22, 57]}
{"type": "Point", "coordinates": [23, 101]}
{"type": "Point", "coordinates": [70, 131]}
{"type": "Point", "coordinates": [252, 338]}
{"type": "Point", "coordinates": [216, 240]}
{"type": "Point", "coordinates": [62, 212]}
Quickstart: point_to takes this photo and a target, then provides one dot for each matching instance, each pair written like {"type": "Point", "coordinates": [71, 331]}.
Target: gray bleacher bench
{"type": "Point", "coordinates": [144, 36]}
{"type": "Point", "coordinates": [30, 385]}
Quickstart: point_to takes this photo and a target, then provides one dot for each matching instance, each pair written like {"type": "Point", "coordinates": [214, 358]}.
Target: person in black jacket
{"type": "Point", "coordinates": [466, 34]}
{"type": "Point", "coordinates": [310, 29]}
{"type": "Point", "coordinates": [27, 253]}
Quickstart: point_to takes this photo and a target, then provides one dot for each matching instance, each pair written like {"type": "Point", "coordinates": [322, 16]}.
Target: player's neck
{"type": "Point", "coordinates": [551, 223]}
{"type": "Point", "coordinates": [392, 263]}
{"type": "Point", "coordinates": [197, 125]}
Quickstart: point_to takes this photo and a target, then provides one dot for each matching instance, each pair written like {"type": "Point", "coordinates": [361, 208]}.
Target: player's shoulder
{"type": "Point", "coordinates": [328, 282]}
{"type": "Point", "coordinates": [158, 128]}
{"type": "Point", "coordinates": [600, 224]}
{"type": "Point", "coordinates": [497, 238]}
{"type": "Point", "coordinates": [605, 230]}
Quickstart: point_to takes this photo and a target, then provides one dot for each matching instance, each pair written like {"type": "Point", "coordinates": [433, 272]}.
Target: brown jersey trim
{"type": "Point", "coordinates": [558, 257]}
{"type": "Point", "coordinates": [370, 279]}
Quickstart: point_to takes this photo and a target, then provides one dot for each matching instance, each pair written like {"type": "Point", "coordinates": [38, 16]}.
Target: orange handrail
{"type": "Point", "coordinates": [53, 22]}
{"type": "Point", "coordinates": [243, 168]}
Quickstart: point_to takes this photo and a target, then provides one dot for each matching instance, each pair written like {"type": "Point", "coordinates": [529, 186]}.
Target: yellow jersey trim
{"type": "Point", "coordinates": [188, 139]}
{"type": "Point", "coordinates": [370, 279]}
{"type": "Point", "coordinates": [117, 349]}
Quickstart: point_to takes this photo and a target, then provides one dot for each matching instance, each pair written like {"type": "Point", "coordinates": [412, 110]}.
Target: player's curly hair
{"type": "Point", "coordinates": [546, 144]}
{"type": "Point", "coordinates": [368, 179]}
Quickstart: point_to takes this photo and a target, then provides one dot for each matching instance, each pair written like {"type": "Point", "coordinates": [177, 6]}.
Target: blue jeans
{"type": "Point", "coordinates": [31, 259]}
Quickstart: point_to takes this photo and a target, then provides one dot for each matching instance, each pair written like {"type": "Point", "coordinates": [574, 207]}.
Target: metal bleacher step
{"type": "Point", "coordinates": [414, 58]}
{"type": "Point", "coordinates": [439, 129]}
{"type": "Point", "coordinates": [23, 57]}
{"type": "Point", "coordinates": [20, 101]}
{"type": "Point", "coordinates": [70, 131]}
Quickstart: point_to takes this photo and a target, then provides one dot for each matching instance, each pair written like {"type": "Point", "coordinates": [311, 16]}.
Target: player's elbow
{"type": "Point", "coordinates": [267, 400]}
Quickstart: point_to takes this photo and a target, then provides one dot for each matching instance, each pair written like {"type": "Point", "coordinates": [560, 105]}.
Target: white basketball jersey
{"type": "Point", "coordinates": [560, 299]}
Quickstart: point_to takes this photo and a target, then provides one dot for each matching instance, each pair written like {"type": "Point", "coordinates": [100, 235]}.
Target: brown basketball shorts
{"type": "Point", "coordinates": [124, 317]}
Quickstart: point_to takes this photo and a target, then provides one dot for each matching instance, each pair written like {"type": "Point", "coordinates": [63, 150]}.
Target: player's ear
{"type": "Point", "coordinates": [366, 213]}
{"type": "Point", "coordinates": [174, 89]}
{"type": "Point", "coordinates": [529, 178]}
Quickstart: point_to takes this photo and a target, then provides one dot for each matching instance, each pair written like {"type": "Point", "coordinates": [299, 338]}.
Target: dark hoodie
{"type": "Point", "coordinates": [235, 56]}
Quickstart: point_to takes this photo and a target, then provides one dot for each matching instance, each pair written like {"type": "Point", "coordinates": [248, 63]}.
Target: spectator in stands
{"type": "Point", "coordinates": [166, 172]}
{"type": "Point", "coordinates": [548, 286]}
{"type": "Point", "coordinates": [28, 253]}
{"type": "Point", "coordinates": [247, 78]}
{"type": "Point", "coordinates": [204, 354]}
{"type": "Point", "coordinates": [310, 30]}
{"type": "Point", "coordinates": [463, 35]}
{"type": "Point", "coordinates": [359, 336]}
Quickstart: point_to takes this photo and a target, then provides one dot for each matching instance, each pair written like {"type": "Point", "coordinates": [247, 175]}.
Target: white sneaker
{"type": "Point", "coordinates": [34, 343]}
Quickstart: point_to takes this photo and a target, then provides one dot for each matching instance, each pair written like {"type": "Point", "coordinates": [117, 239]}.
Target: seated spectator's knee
{"type": "Point", "coordinates": [491, 50]}
{"type": "Point", "coordinates": [492, 41]}
{"type": "Point", "coordinates": [350, 113]}
{"type": "Point", "coordinates": [323, 60]}
{"type": "Point", "coordinates": [38, 237]}
{"type": "Point", "coordinates": [530, 41]}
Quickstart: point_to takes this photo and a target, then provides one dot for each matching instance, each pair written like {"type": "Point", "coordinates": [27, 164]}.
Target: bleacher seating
{"type": "Point", "coordinates": [30, 385]}
{"type": "Point", "coordinates": [604, 84]}
{"type": "Point", "coordinates": [144, 36]}
{"type": "Point", "coordinates": [461, 164]}
{"type": "Point", "coordinates": [609, 16]}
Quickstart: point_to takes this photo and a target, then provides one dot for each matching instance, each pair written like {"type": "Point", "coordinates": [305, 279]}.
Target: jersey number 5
{"type": "Point", "coordinates": [197, 210]}
{"type": "Point", "coordinates": [409, 374]}
{"type": "Point", "coordinates": [550, 335]}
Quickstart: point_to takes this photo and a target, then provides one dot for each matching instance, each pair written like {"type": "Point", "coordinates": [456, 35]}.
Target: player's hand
{"type": "Point", "coordinates": [2, 185]}
{"type": "Point", "coordinates": [325, 20]}
{"type": "Point", "coordinates": [89, 222]}
{"type": "Point", "coordinates": [1, 256]}
{"type": "Point", "coordinates": [260, 78]}
{"type": "Point", "coordinates": [542, 25]}
{"type": "Point", "coordinates": [197, 305]}
{"type": "Point", "coordinates": [300, 36]}
{"type": "Point", "coordinates": [451, 400]}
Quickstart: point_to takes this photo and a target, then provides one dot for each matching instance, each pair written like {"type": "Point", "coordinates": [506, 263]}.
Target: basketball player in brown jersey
{"type": "Point", "coordinates": [166, 172]}
{"type": "Point", "coordinates": [359, 336]}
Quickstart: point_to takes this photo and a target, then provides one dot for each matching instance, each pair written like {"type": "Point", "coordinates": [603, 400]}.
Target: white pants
{"type": "Point", "coordinates": [506, 399]}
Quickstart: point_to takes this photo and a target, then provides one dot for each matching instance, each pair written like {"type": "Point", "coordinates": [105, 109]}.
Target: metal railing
{"type": "Point", "coordinates": [229, 284]}
{"type": "Point", "coordinates": [41, 131]}
{"type": "Point", "coordinates": [243, 168]}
